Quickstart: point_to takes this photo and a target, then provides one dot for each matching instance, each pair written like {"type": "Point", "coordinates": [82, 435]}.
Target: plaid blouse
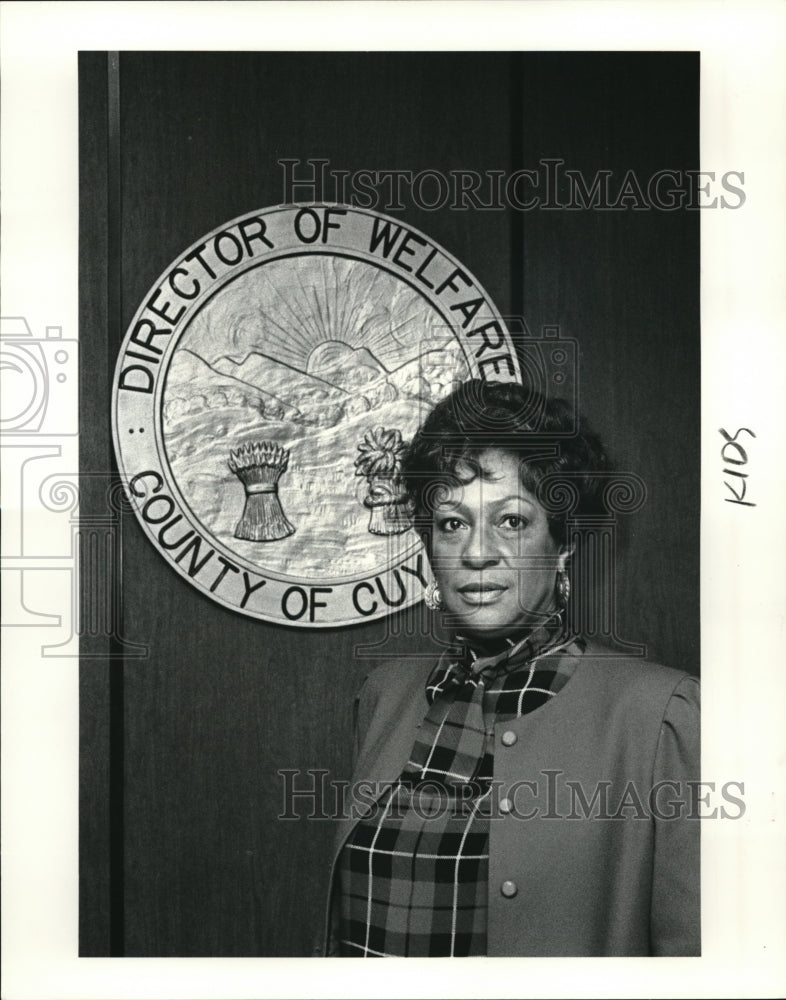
{"type": "Point", "coordinates": [414, 872]}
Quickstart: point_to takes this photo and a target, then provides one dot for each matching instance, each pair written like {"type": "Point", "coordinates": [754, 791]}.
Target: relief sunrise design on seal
{"type": "Point", "coordinates": [263, 396]}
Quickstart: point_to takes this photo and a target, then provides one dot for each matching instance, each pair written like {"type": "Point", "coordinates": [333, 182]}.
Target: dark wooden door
{"type": "Point", "coordinates": [189, 710]}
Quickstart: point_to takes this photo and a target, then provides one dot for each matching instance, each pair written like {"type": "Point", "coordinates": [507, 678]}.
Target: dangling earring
{"type": "Point", "coordinates": [563, 588]}
{"type": "Point", "coordinates": [432, 597]}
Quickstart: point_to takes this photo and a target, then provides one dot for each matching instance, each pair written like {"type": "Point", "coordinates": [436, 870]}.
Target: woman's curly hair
{"type": "Point", "coordinates": [481, 415]}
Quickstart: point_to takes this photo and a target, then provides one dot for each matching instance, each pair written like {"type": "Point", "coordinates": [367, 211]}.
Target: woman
{"type": "Point", "coordinates": [529, 794]}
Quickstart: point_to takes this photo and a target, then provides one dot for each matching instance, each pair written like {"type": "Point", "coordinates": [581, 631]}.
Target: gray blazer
{"type": "Point", "coordinates": [590, 853]}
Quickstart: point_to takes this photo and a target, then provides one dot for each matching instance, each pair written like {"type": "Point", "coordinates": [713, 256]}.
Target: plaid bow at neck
{"type": "Point", "coordinates": [470, 688]}
{"type": "Point", "coordinates": [474, 661]}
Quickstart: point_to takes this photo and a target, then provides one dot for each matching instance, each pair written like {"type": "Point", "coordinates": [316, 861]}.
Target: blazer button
{"type": "Point", "coordinates": [509, 889]}
{"type": "Point", "coordinates": [509, 738]}
{"type": "Point", "coordinates": [505, 805]}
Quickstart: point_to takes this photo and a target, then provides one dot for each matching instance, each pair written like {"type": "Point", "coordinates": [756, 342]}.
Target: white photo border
{"type": "Point", "coordinates": [743, 584]}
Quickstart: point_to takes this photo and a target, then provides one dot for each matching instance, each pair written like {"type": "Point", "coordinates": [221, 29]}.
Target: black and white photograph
{"type": "Point", "coordinates": [384, 476]}
{"type": "Point", "coordinates": [303, 406]}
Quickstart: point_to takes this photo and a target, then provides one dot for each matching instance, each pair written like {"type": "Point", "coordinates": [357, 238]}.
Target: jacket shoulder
{"type": "Point", "coordinates": [636, 679]}
{"type": "Point", "coordinates": [612, 662]}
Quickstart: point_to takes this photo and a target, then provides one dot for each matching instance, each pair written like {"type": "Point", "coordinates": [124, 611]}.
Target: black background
{"type": "Point", "coordinates": [181, 851]}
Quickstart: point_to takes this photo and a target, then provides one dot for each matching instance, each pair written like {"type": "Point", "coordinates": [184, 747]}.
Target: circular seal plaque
{"type": "Point", "coordinates": [264, 392]}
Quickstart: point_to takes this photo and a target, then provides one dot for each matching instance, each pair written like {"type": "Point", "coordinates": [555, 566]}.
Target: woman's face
{"type": "Point", "coordinates": [492, 554]}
